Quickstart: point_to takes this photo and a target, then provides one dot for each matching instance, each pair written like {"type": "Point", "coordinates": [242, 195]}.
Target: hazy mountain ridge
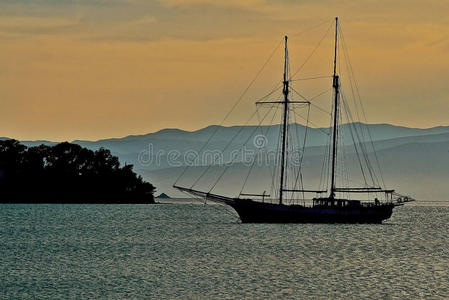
{"type": "Point", "coordinates": [417, 169]}
{"type": "Point", "coordinates": [172, 139]}
{"type": "Point", "coordinates": [409, 156]}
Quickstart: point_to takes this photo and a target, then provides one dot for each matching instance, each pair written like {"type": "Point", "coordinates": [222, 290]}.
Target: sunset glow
{"type": "Point", "coordinates": [96, 69]}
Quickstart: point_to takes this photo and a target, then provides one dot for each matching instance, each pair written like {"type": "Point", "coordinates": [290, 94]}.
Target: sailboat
{"type": "Point", "coordinates": [330, 205]}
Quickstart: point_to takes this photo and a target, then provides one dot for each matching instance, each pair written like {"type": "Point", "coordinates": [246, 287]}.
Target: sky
{"type": "Point", "coordinates": [92, 69]}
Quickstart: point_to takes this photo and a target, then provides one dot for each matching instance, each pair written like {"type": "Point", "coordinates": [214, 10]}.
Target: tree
{"type": "Point", "coordinates": [67, 173]}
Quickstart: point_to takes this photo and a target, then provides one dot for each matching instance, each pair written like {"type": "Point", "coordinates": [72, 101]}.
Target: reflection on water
{"type": "Point", "coordinates": [195, 251]}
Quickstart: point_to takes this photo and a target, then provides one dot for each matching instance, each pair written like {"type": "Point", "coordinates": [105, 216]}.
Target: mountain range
{"type": "Point", "coordinates": [414, 161]}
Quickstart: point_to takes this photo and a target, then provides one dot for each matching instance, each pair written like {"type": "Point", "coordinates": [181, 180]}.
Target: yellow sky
{"type": "Point", "coordinates": [93, 69]}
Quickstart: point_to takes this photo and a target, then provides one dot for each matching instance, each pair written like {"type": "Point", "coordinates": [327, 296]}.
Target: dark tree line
{"type": "Point", "coordinates": [67, 173]}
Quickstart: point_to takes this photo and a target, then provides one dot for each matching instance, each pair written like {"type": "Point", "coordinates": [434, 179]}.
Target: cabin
{"type": "Point", "coordinates": [328, 202]}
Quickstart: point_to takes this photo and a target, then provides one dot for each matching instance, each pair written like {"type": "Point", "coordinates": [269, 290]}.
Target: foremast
{"type": "Point", "coordinates": [336, 86]}
{"type": "Point", "coordinates": [285, 91]}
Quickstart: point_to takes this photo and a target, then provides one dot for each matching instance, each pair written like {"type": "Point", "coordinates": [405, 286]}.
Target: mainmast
{"type": "Point", "coordinates": [285, 91]}
{"type": "Point", "coordinates": [336, 86]}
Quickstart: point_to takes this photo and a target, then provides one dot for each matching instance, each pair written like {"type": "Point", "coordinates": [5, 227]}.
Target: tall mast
{"type": "Point", "coordinates": [336, 86]}
{"type": "Point", "coordinates": [284, 122]}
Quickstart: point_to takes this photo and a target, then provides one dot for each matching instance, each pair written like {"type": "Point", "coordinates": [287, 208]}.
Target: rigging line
{"type": "Point", "coordinates": [352, 83]}
{"type": "Point", "coordinates": [277, 86]}
{"type": "Point", "coordinates": [354, 141]}
{"type": "Point", "coordinates": [323, 169]}
{"type": "Point", "coordinates": [231, 213]}
{"type": "Point", "coordinates": [227, 210]}
{"type": "Point", "coordinates": [194, 197]}
{"type": "Point", "coordinates": [294, 146]}
{"type": "Point", "coordinates": [322, 166]}
{"type": "Point", "coordinates": [287, 132]}
{"type": "Point", "coordinates": [255, 158]}
{"type": "Point", "coordinates": [344, 170]}
{"type": "Point", "coordinates": [226, 147]}
{"type": "Point", "coordinates": [312, 28]}
{"type": "Point", "coordinates": [269, 94]}
{"type": "Point", "coordinates": [313, 51]}
{"type": "Point", "coordinates": [232, 160]}
{"type": "Point", "coordinates": [205, 202]}
{"type": "Point", "coordinates": [304, 98]}
{"type": "Point", "coordinates": [276, 170]}
{"type": "Point", "coordinates": [320, 94]}
{"type": "Point", "coordinates": [299, 167]}
{"type": "Point", "coordinates": [235, 105]}
{"type": "Point", "coordinates": [359, 183]}
{"type": "Point", "coordinates": [258, 115]}
{"type": "Point", "coordinates": [353, 131]}
{"type": "Point", "coordinates": [323, 110]}
{"type": "Point", "coordinates": [358, 126]}
{"type": "Point", "coordinates": [350, 70]}
{"type": "Point", "coordinates": [305, 136]}
{"type": "Point", "coordinates": [368, 165]}
{"type": "Point", "coordinates": [289, 145]}
{"type": "Point", "coordinates": [289, 72]}
{"type": "Point", "coordinates": [362, 107]}
{"type": "Point", "coordinates": [338, 158]}
{"type": "Point", "coordinates": [330, 151]}
{"type": "Point", "coordinates": [324, 176]}
{"type": "Point", "coordinates": [276, 162]}
{"type": "Point", "coordinates": [299, 94]}
{"type": "Point", "coordinates": [302, 186]}
{"type": "Point", "coordinates": [310, 78]}
{"type": "Point", "coordinates": [271, 170]}
{"type": "Point", "coordinates": [279, 155]}
{"type": "Point", "coordinates": [365, 153]}
{"type": "Point", "coordinates": [350, 77]}
{"type": "Point", "coordinates": [302, 151]}
{"type": "Point", "coordinates": [270, 127]}
{"type": "Point", "coordinates": [296, 125]}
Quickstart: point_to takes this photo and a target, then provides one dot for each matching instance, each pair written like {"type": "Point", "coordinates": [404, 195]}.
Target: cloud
{"type": "Point", "coordinates": [229, 3]}
{"type": "Point", "coordinates": [65, 61]}
{"type": "Point", "coordinates": [144, 21]}
{"type": "Point", "coordinates": [35, 25]}
{"type": "Point", "coordinates": [140, 20]}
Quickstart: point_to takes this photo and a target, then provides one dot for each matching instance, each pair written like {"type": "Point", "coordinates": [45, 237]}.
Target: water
{"type": "Point", "coordinates": [193, 251]}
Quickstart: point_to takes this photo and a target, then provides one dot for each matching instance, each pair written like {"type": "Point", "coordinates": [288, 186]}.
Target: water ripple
{"type": "Point", "coordinates": [200, 252]}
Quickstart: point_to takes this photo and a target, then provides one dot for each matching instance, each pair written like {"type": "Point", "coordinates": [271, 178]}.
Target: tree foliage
{"type": "Point", "coordinates": [67, 173]}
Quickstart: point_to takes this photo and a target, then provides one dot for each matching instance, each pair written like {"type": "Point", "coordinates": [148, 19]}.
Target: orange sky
{"type": "Point", "coordinates": [93, 69]}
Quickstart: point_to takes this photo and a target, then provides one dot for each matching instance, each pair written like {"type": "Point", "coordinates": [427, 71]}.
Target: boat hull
{"type": "Point", "coordinates": [256, 212]}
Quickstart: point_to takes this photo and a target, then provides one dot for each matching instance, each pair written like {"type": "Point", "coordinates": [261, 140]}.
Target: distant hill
{"type": "Point", "coordinates": [163, 196]}
{"type": "Point", "coordinates": [163, 141]}
{"type": "Point", "coordinates": [185, 140]}
{"type": "Point", "coordinates": [409, 157]}
{"type": "Point", "coordinates": [420, 170]}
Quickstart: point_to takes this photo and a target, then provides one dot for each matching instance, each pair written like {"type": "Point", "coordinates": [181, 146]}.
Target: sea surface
{"type": "Point", "coordinates": [192, 251]}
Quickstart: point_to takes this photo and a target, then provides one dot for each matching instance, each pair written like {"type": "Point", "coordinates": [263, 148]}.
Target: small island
{"type": "Point", "coordinates": [67, 173]}
{"type": "Point", "coordinates": [163, 196]}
